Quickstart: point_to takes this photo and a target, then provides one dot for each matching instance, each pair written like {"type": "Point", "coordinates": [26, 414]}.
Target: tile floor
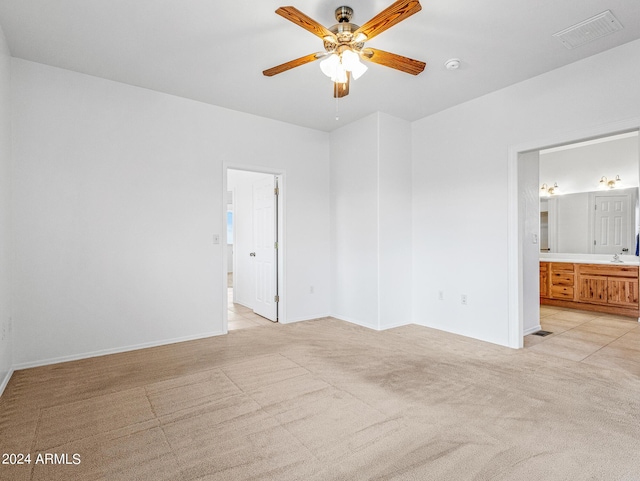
{"type": "Point", "coordinates": [241, 317]}
{"type": "Point", "coordinates": [603, 340]}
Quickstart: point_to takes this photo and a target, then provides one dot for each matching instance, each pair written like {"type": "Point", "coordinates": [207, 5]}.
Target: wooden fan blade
{"type": "Point", "coordinates": [296, 16]}
{"type": "Point", "coordinates": [341, 89]}
{"type": "Point", "coordinates": [395, 13]}
{"type": "Point", "coordinates": [291, 64]}
{"type": "Point", "coordinates": [405, 64]}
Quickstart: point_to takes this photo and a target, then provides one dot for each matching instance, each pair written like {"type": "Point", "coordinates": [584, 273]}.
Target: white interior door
{"type": "Point", "coordinates": [265, 260]}
{"type": "Point", "coordinates": [611, 224]}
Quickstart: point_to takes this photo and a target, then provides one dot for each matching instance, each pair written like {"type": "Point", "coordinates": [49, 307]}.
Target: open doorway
{"type": "Point", "coordinates": [253, 248]}
{"type": "Point", "coordinates": [525, 243]}
{"type": "Point", "coordinates": [589, 269]}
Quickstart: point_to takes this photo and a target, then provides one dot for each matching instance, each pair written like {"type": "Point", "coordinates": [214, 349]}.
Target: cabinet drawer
{"type": "Point", "coordinates": [561, 267]}
{"type": "Point", "coordinates": [608, 270]}
{"type": "Point", "coordinates": [562, 292]}
{"type": "Point", "coordinates": [562, 279]}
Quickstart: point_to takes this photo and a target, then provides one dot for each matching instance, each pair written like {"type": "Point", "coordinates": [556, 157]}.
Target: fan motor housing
{"type": "Point", "coordinates": [344, 28]}
{"type": "Point", "coordinates": [344, 31]}
{"type": "Point", "coordinates": [344, 14]}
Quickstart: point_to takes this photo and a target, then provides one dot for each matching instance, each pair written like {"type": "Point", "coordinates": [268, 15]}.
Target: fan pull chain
{"type": "Point", "coordinates": [337, 110]}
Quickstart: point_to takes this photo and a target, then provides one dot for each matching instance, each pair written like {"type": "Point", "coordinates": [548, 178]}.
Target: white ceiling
{"type": "Point", "coordinates": [215, 52]}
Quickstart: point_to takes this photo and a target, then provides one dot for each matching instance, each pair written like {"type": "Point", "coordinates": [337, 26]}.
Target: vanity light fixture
{"type": "Point", "coordinates": [610, 184]}
{"type": "Point", "coordinates": [546, 191]}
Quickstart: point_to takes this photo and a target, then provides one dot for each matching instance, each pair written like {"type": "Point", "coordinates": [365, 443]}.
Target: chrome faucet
{"type": "Point", "coordinates": [616, 258]}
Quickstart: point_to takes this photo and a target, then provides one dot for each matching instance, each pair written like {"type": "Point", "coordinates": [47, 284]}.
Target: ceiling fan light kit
{"type": "Point", "coordinates": [344, 44]}
{"type": "Point", "coordinates": [336, 66]}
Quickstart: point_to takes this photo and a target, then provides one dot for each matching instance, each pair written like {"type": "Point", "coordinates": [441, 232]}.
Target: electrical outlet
{"type": "Point", "coordinates": [441, 295]}
{"type": "Point", "coordinates": [463, 299]}
{"type": "Point", "coordinates": [216, 238]}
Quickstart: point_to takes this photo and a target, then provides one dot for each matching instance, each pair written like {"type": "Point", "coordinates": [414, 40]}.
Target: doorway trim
{"type": "Point", "coordinates": [515, 235]}
{"type": "Point", "coordinates": [280, 175]}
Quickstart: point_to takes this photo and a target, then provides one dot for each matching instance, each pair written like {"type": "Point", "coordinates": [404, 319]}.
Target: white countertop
{"type": "Point", "coordinates": [589, 259]}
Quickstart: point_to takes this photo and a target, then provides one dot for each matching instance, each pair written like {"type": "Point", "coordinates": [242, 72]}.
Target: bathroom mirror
{"type": "Point", "coordinates": [585, 213]}
{"type": "Point", "coordinates": [597, 222]}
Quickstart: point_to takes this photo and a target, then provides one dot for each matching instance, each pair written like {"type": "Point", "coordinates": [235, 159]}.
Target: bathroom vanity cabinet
{"type": "Point", "coordinates": [610, 288]}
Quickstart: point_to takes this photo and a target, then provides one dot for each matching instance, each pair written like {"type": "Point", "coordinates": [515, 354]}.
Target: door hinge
{"type": "Point", "coordinates": [275, 245]}
{"type": "Point", "coordinates": [276, 298]}
{"type": "Point", "coordinates": [594, 242]}
{"type": "Point", "coordinates": [276, 190]}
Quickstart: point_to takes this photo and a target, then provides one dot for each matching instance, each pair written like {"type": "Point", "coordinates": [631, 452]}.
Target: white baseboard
{"type": "Point", "coordinates": [531, 330]}
{"type": "Point", "coordinates": [106, 352]}
{"type": "Point", "coordinates": [395, 324]}
{"type": "Point", "coordinates": [302, 319]}
{"type": "Point", "coordinates": [5, 381]}
{"type": "Point", "coordinates": [357, 322]}
{"type": "Point", "coordinates": [369, 326]}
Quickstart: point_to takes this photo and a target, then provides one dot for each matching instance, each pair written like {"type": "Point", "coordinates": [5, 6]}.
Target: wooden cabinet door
{"type": "Point", "coordinates": [622, 292]}
{"type": "Point", "coordinates": [593, 289]}
{"type": "Point", "coordinates": [544, 279]}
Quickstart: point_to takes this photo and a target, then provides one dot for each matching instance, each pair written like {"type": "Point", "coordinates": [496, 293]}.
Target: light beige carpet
{"type": "Point", "coordinates": [324, 400]}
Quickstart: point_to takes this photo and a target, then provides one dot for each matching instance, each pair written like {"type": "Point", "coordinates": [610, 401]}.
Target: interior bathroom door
{"type": "Point", "coordinates": [265, 251]}
{"type": "Point", "coordinates": [611, 224]}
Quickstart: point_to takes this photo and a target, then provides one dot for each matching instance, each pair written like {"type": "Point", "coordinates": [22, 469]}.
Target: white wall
{"type": "Point", "coordinates": [6, 342]}
{"type": "Point", "coordinates": [394, 221]}
{"type": "Point", "coordinates": [528, 207]}
{"type": "Point", "coordinates": [371, 221]}
{"type": "Point", "coordinates": [354, 222]}
{"type": "Point", "coordinates": [460, 228]}
{"type": "Point", "coordinates": [118, 191]}
{"type": "Point", "coordinates": [229, 258]}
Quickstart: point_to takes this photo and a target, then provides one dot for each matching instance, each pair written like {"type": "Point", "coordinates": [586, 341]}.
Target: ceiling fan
{"type": "Point", "coordinates": [344, 44]}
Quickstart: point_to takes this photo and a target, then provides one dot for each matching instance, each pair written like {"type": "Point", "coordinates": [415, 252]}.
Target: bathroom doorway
{"type": "Point", "coordinates": [525, 231]}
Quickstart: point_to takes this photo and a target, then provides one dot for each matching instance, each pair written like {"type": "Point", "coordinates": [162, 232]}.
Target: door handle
{"type": "Point", "coordinates": [252, 254]}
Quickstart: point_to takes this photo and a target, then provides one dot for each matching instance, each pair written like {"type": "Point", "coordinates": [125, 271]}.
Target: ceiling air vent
{"type": "Point", "coordinates": [591, 29]}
